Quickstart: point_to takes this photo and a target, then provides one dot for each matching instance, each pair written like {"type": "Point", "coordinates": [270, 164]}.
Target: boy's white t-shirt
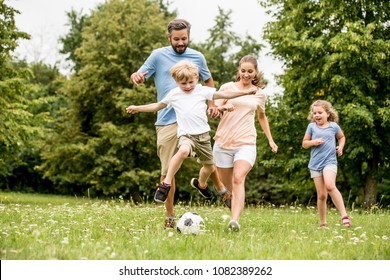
{"type": "Point", "coordinates": [190, 108]}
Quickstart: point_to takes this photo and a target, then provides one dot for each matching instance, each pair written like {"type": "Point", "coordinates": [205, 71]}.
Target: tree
{"type": "Point", "coordinates": [45, 103]}
{"type": "Point", "coordinates": [338, 51]}
{"type": "Point", "coordinates": [224, 48]}
{"type": "Point", "coordinates": [73, 40]}
{"type": "Point", "coordinates": [16, 123]}
{"type": "Point", "coordinates": [95, 145]}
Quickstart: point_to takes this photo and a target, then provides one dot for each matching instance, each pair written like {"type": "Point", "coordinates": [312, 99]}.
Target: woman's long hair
{"type": "Point", "coordinates": [258, 79]}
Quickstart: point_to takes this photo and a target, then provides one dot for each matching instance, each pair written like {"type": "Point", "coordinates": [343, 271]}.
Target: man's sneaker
{"type": "Point", "coordinates": [206, 193]}
{"type": "Point", "coordinates": [233, 225]}
{"type": "Point", "coordinates": [227, 199]}
{"type": "Point", "coordinates": [162, 192]}
{"type": "Point", "coordinates": [169, 222]}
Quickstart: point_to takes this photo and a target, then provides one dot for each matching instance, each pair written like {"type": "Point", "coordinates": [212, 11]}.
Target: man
{"type": "Point", "coordinates": [158, 64]}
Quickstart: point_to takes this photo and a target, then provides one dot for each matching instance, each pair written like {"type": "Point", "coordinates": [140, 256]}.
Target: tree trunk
{"type": "Point", "coordinates": [370, 190]}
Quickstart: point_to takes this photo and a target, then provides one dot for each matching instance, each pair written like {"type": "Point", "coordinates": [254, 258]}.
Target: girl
{"type": "Point", "coordinates": [321, 136]}
{"type": "Point", "coordinates": [235, 139]}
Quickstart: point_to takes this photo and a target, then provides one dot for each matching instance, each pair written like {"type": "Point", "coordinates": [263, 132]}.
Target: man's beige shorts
{"type": "Point", "coordinates": [166, 144]}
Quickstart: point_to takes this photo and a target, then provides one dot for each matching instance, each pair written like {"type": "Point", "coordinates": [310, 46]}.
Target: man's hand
{"type": "Point", "coordinates": [138, 78]}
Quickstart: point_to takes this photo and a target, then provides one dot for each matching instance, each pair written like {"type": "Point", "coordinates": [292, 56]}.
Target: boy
{"type": "Point", "coordinates": [188, 101]}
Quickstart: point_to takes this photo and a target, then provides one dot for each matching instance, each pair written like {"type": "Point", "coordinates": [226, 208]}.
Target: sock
{"type": "Point", "coordinates": [222, 192]}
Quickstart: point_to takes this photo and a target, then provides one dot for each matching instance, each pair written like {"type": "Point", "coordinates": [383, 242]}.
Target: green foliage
{"type": "Point", "coordinates": [338, 51]}
{"type": "Point", "coordinates": [73, 40]}
{"type": "Point", "coordinates": [95, 145]}
{"type": "Point", "coordinates": [9, 34]}
{"type": "Point", "coordinates": [43, 102]}
{"type": "Point", "coordinates": [18, 126]}
{"type": "Point", "coordinates": [224, 48]}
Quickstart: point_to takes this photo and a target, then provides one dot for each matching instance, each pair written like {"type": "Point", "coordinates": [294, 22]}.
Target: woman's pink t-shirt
{"type": "Point", "coordinates": [237, 128]}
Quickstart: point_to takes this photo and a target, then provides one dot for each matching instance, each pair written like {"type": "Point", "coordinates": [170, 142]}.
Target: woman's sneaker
{"type": "Point", "coordinates": [162, 192]}
{"type": "Point", "coordinates": [206, 192]}
{"type": "Point", "coordinates": [233, 225]}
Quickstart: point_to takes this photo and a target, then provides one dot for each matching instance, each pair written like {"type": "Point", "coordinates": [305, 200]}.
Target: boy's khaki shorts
{"type": "Point", "coordinates": [201, 145]}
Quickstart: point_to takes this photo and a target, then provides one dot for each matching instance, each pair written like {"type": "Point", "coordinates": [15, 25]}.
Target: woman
{"type": "Point", "coordinates": [235, 139]}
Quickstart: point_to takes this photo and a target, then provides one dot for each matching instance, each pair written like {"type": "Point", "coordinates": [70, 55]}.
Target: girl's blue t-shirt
{"type": "Point", "coordinates": [159, 63]}
{"type": "Point", "coordinates": [324, 154]}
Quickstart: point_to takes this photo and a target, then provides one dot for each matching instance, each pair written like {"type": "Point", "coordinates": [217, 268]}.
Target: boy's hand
{"type": "Point", "coordinates": [227, 107]}
{"type": "Point", "coordinates": [213, 112]}
{"type": "Point", "coordinates": [132, 109]}
{"type": "Point", "coordinates": [253, 90]}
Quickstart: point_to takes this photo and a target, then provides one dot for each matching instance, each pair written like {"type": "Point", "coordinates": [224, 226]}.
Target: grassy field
{"type": "Point", "coordinates": [45, 227]}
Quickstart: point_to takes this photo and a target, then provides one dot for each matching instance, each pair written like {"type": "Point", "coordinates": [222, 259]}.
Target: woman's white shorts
{"type": "Point", "coordinates": [225, 158]}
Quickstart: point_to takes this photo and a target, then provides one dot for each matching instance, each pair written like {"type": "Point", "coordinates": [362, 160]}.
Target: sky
{"type": "Point", "coordinates": [45, 21]}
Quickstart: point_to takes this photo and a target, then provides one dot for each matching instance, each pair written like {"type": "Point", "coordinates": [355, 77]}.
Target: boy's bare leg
{"type": "Point", "coordinates": [204, 174]}
{"type": "Point", "coordinates": [175, 163]}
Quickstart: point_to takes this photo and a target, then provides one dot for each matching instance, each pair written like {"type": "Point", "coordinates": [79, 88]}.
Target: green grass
{"type": "Point", "coordinates": [45, 227]}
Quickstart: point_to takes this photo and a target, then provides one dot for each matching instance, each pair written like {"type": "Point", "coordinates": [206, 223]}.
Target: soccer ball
{"type": "Point", "coordinates": [190, 223]}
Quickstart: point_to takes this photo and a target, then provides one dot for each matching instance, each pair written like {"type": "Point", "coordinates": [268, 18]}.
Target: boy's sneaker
{"type": "Point", "coordinates": [169, 222]}
{"type": "Point", "coordinates": [227, 199]}
{"type": "Point", "coordinates": [162, 192]}
{"type": "Point", "coordinates": [233, 225]}
{"type": "Point", "coordinates": [206, 193]}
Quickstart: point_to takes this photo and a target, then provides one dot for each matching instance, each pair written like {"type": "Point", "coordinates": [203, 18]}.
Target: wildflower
{"type": "Point", "coordinates": [354, 239]}
{"type": "Point", "coordinates": [65, 240]}
{"type": "Point", "coordinates": [225, 217]}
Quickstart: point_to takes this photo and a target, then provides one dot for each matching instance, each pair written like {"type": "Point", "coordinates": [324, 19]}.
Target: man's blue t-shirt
{"type": "Point", "coordinates": [324, 154]}
{"type": "Point", "coordinates": [159, 64]}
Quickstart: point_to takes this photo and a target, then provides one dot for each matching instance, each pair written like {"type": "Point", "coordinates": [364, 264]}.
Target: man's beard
{"type": "Point", "coordinates": [182, 50]}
